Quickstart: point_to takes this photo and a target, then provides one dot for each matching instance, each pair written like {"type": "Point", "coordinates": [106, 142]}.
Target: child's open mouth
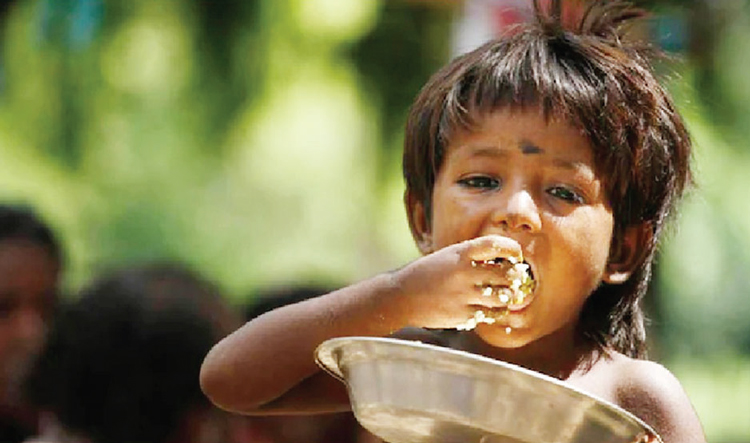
{"type": "Point", "coordinates": [518, 294]}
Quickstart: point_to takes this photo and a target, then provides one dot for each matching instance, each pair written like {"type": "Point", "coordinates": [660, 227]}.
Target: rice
{"type": "Point", "coordinates": [521, 285]}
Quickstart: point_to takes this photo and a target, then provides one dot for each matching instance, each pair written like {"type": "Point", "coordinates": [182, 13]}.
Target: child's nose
{"type": "Point", "coordinates": [518, 212]}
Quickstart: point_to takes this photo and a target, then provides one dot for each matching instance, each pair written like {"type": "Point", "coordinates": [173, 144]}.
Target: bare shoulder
{"type": "Point", "coordinates": [651, 392]}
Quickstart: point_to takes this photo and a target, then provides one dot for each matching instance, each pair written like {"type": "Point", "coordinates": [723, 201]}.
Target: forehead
{"type": "Point", "coordinates": [529, 132]}
{"type": "Point", "coordinates": [24, 264]}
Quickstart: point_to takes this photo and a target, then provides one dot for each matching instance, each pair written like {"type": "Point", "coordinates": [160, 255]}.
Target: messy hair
{"type": "Point", "coordinates": [578, 66]}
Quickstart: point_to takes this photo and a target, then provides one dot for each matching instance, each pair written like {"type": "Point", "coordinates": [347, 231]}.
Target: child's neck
{"type": "Point", "coordinates": [553, 355]}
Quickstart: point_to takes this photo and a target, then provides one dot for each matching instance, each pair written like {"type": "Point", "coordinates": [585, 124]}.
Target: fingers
{"type": "Point", "coordinates": [478, 317]}
{"type": "Point", "coordinates": [461, 280]}
{"type": "Point", "coordinates": [500, 283]}
{"type": "Point", "coordinates": [493, 275]}
{"type": "Point", "coordinates": [502, 295]}
{"type": "Point", "coordinates": [489, 296]}
{"type": "Point", "coordinates": [488, 248]}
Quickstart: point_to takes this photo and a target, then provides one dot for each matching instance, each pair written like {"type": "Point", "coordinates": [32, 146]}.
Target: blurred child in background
{"type": "Point", "coordinates": [122, 361]}
{"type": "Point", "coordinates": [30, 265]}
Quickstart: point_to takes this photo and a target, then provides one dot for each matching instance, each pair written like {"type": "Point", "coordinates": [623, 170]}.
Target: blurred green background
{"type": "Point", "coordinates": [258, 141]}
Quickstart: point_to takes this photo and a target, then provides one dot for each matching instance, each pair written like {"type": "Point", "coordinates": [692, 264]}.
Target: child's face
{"type": "Point", "coordinates": [28, 280]}
{"type": "Point", "coordinates": [518, 176]}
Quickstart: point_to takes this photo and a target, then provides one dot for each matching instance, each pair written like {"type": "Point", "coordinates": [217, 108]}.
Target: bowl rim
{"type": "Point", "coordinates": [325, 358]}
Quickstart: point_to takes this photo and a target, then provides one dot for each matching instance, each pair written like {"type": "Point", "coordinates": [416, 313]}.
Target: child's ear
{"type": "Point", "coordinates": [419, 223]}
{"type": "Point", "coordinates": [627, 253]}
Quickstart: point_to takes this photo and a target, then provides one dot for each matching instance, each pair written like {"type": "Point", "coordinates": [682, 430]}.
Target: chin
{"type": "Point", "coordinates": [505, 337]}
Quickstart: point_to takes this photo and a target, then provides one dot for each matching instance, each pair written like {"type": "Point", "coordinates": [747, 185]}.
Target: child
{"type": "Point", "coordinates": [30, 267]}
{"type": "Point", "coordinates": [122, 361]}
{"type": "Point", "coordinates": [555, 145]}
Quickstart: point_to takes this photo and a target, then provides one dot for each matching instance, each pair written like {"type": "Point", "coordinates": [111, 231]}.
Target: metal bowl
{"type": "Point", "coordinates": [411, 392]}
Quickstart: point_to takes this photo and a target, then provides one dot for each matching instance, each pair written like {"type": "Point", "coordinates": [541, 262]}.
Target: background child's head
{"type": "Point", "coordinates": [30, 262]}
{"type": "Point", "coordinates": [122, 360]}
{"type": "Point", "coordinates": [576, 66]}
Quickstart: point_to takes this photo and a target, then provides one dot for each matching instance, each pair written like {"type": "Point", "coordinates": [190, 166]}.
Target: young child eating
{"type": "Point", "coordinates": [553, 146]}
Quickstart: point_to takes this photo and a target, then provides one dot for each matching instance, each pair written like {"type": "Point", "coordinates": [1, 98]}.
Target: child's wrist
{"type": "Point", "coordinates": [389, 301]}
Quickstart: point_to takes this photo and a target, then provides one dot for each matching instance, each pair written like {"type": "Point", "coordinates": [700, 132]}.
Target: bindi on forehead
{"type": "Point", "coordinates": [526, 147]}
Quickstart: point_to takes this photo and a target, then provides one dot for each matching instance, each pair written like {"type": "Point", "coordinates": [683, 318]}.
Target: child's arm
{"type": "Point", "coordinates": [268, 365]}
{"type": "Point", "coordinates": [652, 393]}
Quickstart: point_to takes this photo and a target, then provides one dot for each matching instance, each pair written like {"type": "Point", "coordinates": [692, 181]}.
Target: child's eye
{"type": "Point", "coordinates": [566, 194]}
{"type": "Point", "coordinates": [480, 182]}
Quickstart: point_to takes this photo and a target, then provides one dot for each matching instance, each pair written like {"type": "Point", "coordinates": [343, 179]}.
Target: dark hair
{"type": "Point", "coordinates": [579, 67]}
{"type": "Point", "coordinates": [122, 361]}
{"type": "Point", "coordinates": [20, 222]}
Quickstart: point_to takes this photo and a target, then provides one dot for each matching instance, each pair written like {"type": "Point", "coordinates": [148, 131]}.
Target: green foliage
{"type": "Point", "coordinates": [259, 141]}
{"type": "Point", "coordinates": [238, 137]}
{"type": "Point", "coordinates": [703, 281]}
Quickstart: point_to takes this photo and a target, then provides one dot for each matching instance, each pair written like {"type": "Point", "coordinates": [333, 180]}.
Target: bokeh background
{"type": "Point", "coordinates": [258, 141]}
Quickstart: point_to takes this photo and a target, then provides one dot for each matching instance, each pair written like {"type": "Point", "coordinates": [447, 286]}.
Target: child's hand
{"type": "Point", "coordinates": [446, 288]}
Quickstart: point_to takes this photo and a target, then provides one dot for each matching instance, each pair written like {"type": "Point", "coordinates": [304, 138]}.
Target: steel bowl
{"type": "Point", "coordinates": [410, 392]}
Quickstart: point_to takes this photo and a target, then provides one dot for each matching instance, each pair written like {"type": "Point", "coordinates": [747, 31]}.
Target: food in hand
{"type": "Point", "coordinates": [472, 323]}
{"type": "Point", "coordinates": [522, 284]}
